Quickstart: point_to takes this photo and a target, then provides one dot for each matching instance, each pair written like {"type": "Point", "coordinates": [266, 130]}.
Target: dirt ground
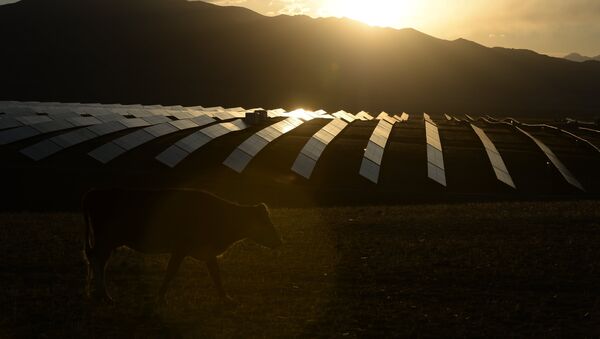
{"type": "Point", "coordinates": [475, 270]}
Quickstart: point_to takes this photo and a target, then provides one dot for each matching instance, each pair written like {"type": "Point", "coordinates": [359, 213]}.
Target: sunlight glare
{"type": "Point", "coordinates": [300, 114]}
{"type": "Point", "coordinates": [384, 13]}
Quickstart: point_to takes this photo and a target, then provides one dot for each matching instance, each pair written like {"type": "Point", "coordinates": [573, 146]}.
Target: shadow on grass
{"type": "Point", "coordinates": [520, 269]}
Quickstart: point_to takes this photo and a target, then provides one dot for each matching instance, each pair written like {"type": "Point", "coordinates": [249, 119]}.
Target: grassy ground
{"type": "Point", "coordinates": [502, 270]}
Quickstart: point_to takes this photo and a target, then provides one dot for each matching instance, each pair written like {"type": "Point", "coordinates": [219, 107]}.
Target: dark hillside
{"type": "Point", "coordinates": [194, 53]}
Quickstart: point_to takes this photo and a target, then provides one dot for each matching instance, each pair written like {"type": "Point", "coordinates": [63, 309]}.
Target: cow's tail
{"type": "Point", "coordinates": [88, 240]}
{"type": "Point", "coordinates": [88, 245]}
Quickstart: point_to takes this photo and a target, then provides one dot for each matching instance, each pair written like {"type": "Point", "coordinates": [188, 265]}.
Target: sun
{"type": "Point", "coordinates": [384, 13]}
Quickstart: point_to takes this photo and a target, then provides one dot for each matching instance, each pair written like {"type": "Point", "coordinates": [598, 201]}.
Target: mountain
{"type": "Point", "coordinates": [195, 53]}
{"type": "Point", "coordinates": [580, 58]}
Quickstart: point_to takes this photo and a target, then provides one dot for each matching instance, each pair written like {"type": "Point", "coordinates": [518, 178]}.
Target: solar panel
{"type": "Point", "coordinates": [161, 129]}
{"type": "Point", "coordinates": [362, 115]}
{"type": "Point", "coordinates": [173, 155]}
{"type": "Point", "coordinates": [386, 117]}
{"type": "Point", "coordinates": [449, 118]}
{"type": "Point", "coordinates": [73, 138]}
{"type": "Point", "coordinates": [496, 160]}
{"type": "Point", "coordinates": [33, 119]}
{"type": "Point", "coordinates": [52, 126]}
{"type": "Point", "coordinates": [316, 145]}
{"type": "Point", "coordinates": [567, 175]}
{"type": "Point", "coordinates": [215, 131]}
{"type": "Point", "coordinates": [84, 121]}
{"type": "Point", "coordinates": [134, 139]}
{"type": "Point", "coordinates": [108, 117]}
{"type": "Point", "coordinates": [193, 141]}
{"type": "Point", "coordinates": [41, 150]}
{"type": "Point", "coordinates": [133, 123]}
{"type": "Point", "coordinates": [304, 165]}
{"type": "Point", "coordinates": [107, 152]}
{"type": "Point", "coordinates": [373, 155]}
{"type": "Point", "coordinates": [404, 117]}
{"type": "Point", "coordinates": [156, 119]}
{"type": "Point", "coordinates": [436, 174]}
{"type": "Point", "coordinates": [253, 145]}
{"type": "Point", "coordinates": [344, 116]}
{"type": "Point", "coordinates": [245, 152]}
{"type": "Point", "coordinates": [314, 148]}
{"type": "Point", "coordinates": [369, 170]}
{"type": "Point", "coordinates": [15, 134]}
{"type": "Point", "coordinates": [223, 115]}
{"type": "Point", "coordinates": [7, 123]}
{"type": "Point", "coordinates": [470, 118]}
{"type": "Point", "coordinates": [435, 158]}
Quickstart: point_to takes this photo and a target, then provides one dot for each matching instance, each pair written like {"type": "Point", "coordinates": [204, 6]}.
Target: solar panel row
{"type": "Point", "coordinates": [48, 147]}
{"type": "Point", "coordinates": [309, 155]}
{"type": "Point", "coordinates": [564, 171]}
{"type": "Point", "coordinates": [373, 157]}
{"type": "Point", "coordinates": [495, 159]}
{"type": "Point", "coordinates": [175, 154]}
{"type": "Point", "coordinates": [117, 147]}
{"type": "Point", "coordinates": [47, 126]}
{"type": "Point", "coordinates": [244, 153]}
{"type": "Point", "coordinates": [569, 134]}
{"type": "Point", "coordinates": [435, 158]}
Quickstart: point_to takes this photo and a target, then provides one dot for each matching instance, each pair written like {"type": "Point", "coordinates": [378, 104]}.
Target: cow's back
{"type": "Point", "coordinates": [157, 220]}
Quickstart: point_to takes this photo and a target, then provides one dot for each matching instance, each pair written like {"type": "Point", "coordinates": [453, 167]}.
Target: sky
{"type": "Point", "coordinates": [553, 27]}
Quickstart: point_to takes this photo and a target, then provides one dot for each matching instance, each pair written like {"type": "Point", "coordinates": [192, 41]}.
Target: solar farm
{"type": "Point", "coordinates": [294, 156]}
{"type": "Point", "coordinates": [394, 224]}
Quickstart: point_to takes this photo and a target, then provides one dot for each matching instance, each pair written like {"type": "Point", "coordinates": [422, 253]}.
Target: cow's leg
{"type": "Point", "coordinates": [172, 268]}
{"type": "Point", "coordinates": [213, 269]}
{"type": "Point", "coordinates": [98, 262]}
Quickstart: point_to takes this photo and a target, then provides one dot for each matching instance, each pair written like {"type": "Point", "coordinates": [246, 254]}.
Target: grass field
{"type": "Point", "coordinates": [500, 270]}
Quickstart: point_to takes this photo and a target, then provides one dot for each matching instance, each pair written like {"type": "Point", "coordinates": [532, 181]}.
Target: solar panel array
{"type": "Point", "coordinates": [244, 153]}
{"type": "Point", "coordinates": [495, 158]}
{"type": "Point", "coordinates": [119, 146]}
{"type": "Point", "coordinates": [564, 171]}
{"type": "Point", "coordinates": [311, 152]}
{"type": "Point", "coordinates": [373, 157]}
{"type": "Point", "coordinates": [435, 157]}
{"type": "Point", "coordinates": [175, 154]}
{"type": "Point", "coordinates": [79, 123]}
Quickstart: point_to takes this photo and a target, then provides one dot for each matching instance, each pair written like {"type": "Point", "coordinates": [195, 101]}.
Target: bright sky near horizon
{"type": "Point", "coordinates": [554, 27]}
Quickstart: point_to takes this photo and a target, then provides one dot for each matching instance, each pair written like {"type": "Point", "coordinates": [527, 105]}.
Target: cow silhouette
{"type": "Point", "coordinates": [180, 222]}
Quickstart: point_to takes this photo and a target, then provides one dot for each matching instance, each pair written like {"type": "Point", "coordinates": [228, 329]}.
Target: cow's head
{"type": "Point", "coordinates": [262, 229]}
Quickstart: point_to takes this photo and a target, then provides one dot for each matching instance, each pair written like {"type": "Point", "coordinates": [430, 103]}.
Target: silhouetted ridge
{"type": "Point", "coordinates": [196, 53]}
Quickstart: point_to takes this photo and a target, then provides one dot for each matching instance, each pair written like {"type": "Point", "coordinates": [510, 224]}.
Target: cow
{"type": "Point", "coordinates": [179, 222]}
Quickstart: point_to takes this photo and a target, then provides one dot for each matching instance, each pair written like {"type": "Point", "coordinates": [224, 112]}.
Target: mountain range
{"type": "Point", "coordinates": [581, 58]}
{"type": "Point", "coordinates": [196, 53]}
